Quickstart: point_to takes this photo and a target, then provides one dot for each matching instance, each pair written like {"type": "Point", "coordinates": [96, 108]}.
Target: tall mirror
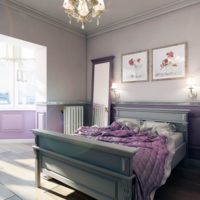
{"type": "Point", "coordinates": [101, 84]}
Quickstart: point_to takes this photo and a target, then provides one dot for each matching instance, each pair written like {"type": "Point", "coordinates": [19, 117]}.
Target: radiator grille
{"type": "Point", "coordinates": [73, 118]}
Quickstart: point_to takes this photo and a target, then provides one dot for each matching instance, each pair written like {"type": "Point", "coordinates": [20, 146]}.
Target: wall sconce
{"type": "Point", "coordinates": [191, 86]}
{"type": "Point", "coordinates": [115, 92]}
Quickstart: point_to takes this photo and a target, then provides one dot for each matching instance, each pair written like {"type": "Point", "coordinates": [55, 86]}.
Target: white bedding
{"type": "Point", "coordinates": [178, 138]}
{"type": "Point", "coordinates": [172, 143]}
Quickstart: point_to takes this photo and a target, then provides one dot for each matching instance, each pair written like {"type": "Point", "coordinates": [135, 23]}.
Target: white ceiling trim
{"type": "Point", "coordinates": [40, 16]}
{"type": "Point", "coordinates": [180, 4]}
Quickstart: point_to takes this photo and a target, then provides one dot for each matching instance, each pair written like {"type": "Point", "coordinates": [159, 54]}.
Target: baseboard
{"type": "Point", "coordinates": [14, 141]}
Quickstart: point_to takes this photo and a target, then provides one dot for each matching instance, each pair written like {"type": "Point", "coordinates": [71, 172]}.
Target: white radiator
{"type": "Point", "coordinates": [73, 118]}
{"type": "Point", "coordinates": [99, 115]}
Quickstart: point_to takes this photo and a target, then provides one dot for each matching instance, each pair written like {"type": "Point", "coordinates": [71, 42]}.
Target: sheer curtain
{"type": "Point", "coordinates": [17, 75]}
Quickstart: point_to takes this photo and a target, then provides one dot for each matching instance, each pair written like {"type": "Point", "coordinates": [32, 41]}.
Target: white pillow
{"type": "Point", "coordinates": [162, 131]}
{"type": "Point", "coordinates": [161, 128]}
{"type": "Point", "coordinates": [130, 122]}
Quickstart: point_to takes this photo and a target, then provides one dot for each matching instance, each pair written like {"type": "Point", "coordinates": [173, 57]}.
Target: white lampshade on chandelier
{"type": "Point", "coordinates": [84, 10]}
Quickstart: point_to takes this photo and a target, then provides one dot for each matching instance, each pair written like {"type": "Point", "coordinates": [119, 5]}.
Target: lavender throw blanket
{"type": "Point", "coordinates": [148, 162]}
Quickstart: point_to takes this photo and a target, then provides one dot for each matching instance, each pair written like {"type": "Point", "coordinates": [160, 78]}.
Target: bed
{"type": "Point", "coordinates": [102, 170]}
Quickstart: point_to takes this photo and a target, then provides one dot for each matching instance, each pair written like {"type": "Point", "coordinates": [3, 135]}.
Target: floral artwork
{"type": "Point", "coordinates": [169, 62]}
{"type": "Point", "coordinates": [135, 67]}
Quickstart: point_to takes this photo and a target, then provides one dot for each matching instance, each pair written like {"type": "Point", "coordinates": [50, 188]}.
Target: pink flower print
{"type": "Point", "coordinates": [131, 62]}
{"type": "Point", "coordinates": [170, 54]}
{"type": "Point", "coordinates": [139, 60]}
{"type": "Point", "coordinates": [164, 63]}
{"type": "Point", "coordinates": [169, 60]}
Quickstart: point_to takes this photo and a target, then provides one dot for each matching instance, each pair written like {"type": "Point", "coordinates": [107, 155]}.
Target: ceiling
{"type": "Point", "coordinates": [117, 11]}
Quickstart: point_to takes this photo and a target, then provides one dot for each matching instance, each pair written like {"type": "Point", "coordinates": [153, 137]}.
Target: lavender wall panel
{"type": "Point", "coordinates": [16, 124]}
{"type": "Point", "coordinates": [17, 120]}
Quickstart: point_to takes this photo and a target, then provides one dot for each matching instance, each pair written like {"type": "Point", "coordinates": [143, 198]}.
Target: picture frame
{"type": "Point", "coordinates": [169, 62]}
{"type": "Point", "coordinates": [135, 66]}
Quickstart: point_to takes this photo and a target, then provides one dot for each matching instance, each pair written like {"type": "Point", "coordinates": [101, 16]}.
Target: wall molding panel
{"type": "Point", "coordinates": [16, 125]}
{"type": "Point", "coordinates": [12, 122]}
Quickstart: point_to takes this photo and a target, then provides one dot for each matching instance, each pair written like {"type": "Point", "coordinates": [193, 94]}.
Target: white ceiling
{"type": "Point", "coordinates": [116, 11]}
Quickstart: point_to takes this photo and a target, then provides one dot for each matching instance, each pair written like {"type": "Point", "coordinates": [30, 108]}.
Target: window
{"type": "Point", "coordinates": [6, 82]}
{"type": "Point", "coordinates": [17, 75]}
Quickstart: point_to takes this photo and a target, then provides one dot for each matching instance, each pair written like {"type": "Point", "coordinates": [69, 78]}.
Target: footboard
{"type": "Point", "coordinates": [101, 170]}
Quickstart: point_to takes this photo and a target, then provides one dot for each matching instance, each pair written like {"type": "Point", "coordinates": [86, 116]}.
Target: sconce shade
{"type": "Point", "coordinates": [114, 86]}
{"type": "Point", "coordinates": [191, 82]}
{"type": "Point", "coordinates": [115, 92]}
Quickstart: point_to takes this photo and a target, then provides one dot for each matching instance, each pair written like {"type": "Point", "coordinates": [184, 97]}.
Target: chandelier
{"type": "Point", "coordinates": [84, 10]}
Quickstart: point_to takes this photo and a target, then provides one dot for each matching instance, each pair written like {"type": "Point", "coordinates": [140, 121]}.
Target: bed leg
{"type": "Point", "coordinates": [37, 169]}
{"type": "Point", "coordinates": [125, 190]}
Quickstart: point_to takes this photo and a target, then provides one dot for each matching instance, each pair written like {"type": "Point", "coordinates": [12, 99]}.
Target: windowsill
{"type": "Point", "coordinates": [51, 103]}
{"type": "Point", "coordinates": [17, 108]}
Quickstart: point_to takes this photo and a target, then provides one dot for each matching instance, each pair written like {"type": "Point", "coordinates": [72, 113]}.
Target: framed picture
{"type": "Point", "coordinates": [169, 62]}
{"type": "Point", "coordinates": [135, 67]}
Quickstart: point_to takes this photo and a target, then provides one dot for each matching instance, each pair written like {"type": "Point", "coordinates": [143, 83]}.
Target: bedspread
{"type": "Point", "coordinates": [148, 162]}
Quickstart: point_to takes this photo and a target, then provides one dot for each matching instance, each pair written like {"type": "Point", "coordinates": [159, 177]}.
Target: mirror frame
{"type": "Point", "coordinates": [110, 60]}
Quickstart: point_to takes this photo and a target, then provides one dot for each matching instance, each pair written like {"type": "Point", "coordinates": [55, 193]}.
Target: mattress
{"type": "Point", "coordinates": [178, 138]}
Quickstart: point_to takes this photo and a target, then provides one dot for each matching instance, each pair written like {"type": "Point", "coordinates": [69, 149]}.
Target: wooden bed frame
{"type": "Point", "coordinates": [99, 169]}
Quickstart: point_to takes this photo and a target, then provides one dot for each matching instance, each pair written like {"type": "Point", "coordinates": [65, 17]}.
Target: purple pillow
{"type": "Point", "coordinates": [115, 126]}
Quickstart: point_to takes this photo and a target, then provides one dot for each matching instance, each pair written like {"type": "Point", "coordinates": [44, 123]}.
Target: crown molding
{"type": "Point", "coordinates": [40, 16]}
{"type": "Point", "coordinates": [177, 5]}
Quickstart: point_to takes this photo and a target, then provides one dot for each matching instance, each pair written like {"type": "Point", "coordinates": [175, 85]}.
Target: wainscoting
{"type": "Point", "coordinates": [193, 119]}
{"type": "Point", "coordinates": [17, 124]}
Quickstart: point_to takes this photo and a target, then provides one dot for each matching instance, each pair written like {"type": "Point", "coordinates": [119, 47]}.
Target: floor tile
{"type": "Point", "coordinates": [14, 198]}
{"type": "Point", "coordinates": [5, 193]}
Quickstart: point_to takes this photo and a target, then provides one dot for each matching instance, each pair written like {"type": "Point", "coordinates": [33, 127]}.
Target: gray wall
{"type": "Point", "coordinates": [66, 53]}
{"type": "Point", "coordinates": [175, 27]}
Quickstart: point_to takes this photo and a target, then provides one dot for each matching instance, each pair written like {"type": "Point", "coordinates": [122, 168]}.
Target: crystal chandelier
{"type": "Point", "coordinates": [84, 10]}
